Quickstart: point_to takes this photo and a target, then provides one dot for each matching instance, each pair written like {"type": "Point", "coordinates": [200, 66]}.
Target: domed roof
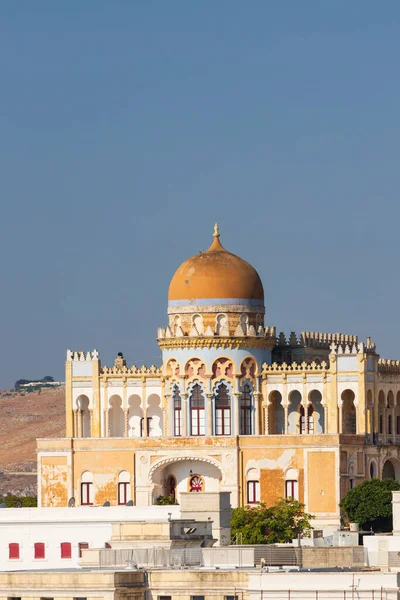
{"type": "Point", "coordinates": [218, 275]}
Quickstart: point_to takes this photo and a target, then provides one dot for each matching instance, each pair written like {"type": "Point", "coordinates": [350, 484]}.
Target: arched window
{"type": "Point", "coordinates": [244, 322]}
{"type": "Point", "coordinates": [222, 411]}
{"type": "Point", "coordinates": [197, 321]}
{"type": "Point", "coordinates": [372, 469]}
{"type": "Point", "coordinates": [253, 491]}
{"type": "Point", "coordinates": [291, 484]}
{"type": "Point", "coordinates": [197, 416]}
{"type": "Point", "coordinates": [171, 486]}
{"type": "Point", "coordinates": [380, 423]}
{"type": "Point", "coordinates": [87, 488]}
{"type": "Point", "coordinates": [124, 488]}
{"type": "Point", "coordinates": [253, 486]}
{"type": "Point", "coordinates": [222, 325]}
{"type": "Point", "coordinates": [245, 411]}
{"type": "Point", "coordinates": [196, 484]}
{"type": "Point", "coordinates": [177, 404]}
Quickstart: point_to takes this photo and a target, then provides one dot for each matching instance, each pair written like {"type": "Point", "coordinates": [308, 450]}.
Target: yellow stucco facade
{"type": "Point", "coordinates": [233, 407]}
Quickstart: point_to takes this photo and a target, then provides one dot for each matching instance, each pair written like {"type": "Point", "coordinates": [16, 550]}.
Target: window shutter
{"type": "Point", "coordinates": [66, 551]}
{"type": "Point", "coordinates": [39, 550]}
{"type": "Point", "coordinates": [13, 551]}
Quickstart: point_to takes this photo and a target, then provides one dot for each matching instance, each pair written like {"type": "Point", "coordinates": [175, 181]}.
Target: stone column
{"type": "Point", "coordinates": [80, 423]}
{"type": "Point", "coordinates": [75, 423]}
{"type": "Point", "coordinates": [257, 402]}
{"type": "Point", "coordinates": [236, 413]}
{"type": "Point", "coordinates": [145, 432]}
{"type": "Point", "coordinates": [184, 415]}
{"type": "Point", "coordinates": [266, 418]}
{"type": "Point", "coordinates": [325, 407]}
{"type": "Point", "coordinates": [106, 428]}
{"type": "Point", "coordinates": [209, 414]}
{"type": "Point", "coordinates": [286, 411]}
{"type": "Point", "coordinates": [393, 425]}
{"type": "Point", "coordinates": [168, 428]}
{"type": "Point", "coordinates": [91, 432]}
{"type": "Point", "coordinates": [126, 421]}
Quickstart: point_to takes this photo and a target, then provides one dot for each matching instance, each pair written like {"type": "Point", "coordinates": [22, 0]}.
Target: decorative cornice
{"type": "Point", "coordinates": [215, 308]}
{"type": "Point", "coordinates": [217, 342]}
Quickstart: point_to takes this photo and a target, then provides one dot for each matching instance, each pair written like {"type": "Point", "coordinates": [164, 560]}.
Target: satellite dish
{"type": "Point", "coordinates": [129, 503]}
{"type": "Point", "coordinates": [18, 504]}
{"type": "Point", "coordinates": [3, 505]}
{"type": "Point", "coordinates": [106, 503]}
{"type": "Point", "coordinates": [71, 502]}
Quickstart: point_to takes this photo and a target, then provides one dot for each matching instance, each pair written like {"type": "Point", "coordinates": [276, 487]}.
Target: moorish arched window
{"type": "Point", "coordinates": [245, 411]}
{"type": "Point", "coordinates": [197, 412]}
{"type": "Point", "coordinates": [177, 404]}
{"type": "Point", "coordinates": [222, 411]}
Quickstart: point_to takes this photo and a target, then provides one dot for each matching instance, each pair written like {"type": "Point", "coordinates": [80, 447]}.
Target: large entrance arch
{"type": "Point", "coordinates": [391, 469]}
{"type": "Point", "coordinates": [195, 475]}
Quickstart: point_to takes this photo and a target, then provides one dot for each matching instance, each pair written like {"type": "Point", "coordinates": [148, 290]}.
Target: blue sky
{"type": "Point", "coordinates": [128, 128]}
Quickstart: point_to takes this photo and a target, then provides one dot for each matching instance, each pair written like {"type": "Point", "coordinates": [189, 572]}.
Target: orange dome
{"type": "Point", "coordinates": [216, 275]}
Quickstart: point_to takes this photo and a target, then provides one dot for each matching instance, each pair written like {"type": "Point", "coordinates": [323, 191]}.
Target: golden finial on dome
{"type": "Point", "coordinates": [216, 230]}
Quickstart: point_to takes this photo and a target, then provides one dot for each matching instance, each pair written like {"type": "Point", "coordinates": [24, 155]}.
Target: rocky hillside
{"type": "Point", "coordinates": [23, 418]}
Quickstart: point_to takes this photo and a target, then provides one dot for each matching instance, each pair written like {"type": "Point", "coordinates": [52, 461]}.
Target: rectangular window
{"type": "Point", "coordinates": [13, 551]}
{"type": "Point", "coordinates": [292, 489]}
{"type": "Point", "coordinates": [253, 492]}
{"type": "Point", "coordinates": [86, 493]}
{"type": "Point", "coordinates": [197, 597]}
{"type": "Point", "coordinates": [82, 546]}
{"type": "Point", "coordinates": [123, 492]}
{"type": "Point", "coordinates": [231, 597]}
{"type": "Point", "coordinates": [39, 550]}
{"type": "Point", "coordinates": [66, 550]}
{"type": "Point", "coordinates": [177, 422]}
{"type": "Point", "coordinates": [164, 597]}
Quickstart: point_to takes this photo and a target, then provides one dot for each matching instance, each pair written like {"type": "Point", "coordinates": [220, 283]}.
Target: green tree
{"type": "Point", "coordinates": [370, 504]}
{"type": "Point", "coordinates": [281, 522]}
{"type": "Point", "coordinates": [26, 501]}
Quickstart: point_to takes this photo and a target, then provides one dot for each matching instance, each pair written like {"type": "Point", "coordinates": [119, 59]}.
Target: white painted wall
{"type": "Point", "coordinates": [52, 526]}
{"type": "Point", "coordinates": [322, 581]}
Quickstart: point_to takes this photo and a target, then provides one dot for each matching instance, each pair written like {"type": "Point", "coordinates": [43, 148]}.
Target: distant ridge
{"type": "Point", "coordinates": [24, 416]}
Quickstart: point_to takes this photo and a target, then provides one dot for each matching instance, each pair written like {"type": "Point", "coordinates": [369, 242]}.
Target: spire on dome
{"type": "Point", "coordinates": [216, 246]}
{"type": "Point", "coordinates": [216, 230]}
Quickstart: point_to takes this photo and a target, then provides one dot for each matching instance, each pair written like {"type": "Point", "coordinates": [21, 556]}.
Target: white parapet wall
{"type": "Point", "coordinates": [55, 526]}
{"type": "Point", "coordinates": [328, 585]}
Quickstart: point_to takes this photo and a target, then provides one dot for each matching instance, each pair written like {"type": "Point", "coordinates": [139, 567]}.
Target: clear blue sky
{"type": "Point", "coordinates": [128, 128]}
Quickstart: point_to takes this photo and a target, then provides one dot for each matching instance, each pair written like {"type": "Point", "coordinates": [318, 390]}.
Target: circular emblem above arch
{"type": "Point", "coordinates": [175, 459]}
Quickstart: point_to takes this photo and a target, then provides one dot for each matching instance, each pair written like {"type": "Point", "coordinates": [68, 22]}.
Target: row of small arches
{"type": "Point", "coordinates": [221, 323]}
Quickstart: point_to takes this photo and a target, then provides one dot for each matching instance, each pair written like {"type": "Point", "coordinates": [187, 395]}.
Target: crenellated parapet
{"type": "Point", "coordinates": [135, 371]}
{"type": "Point", "coordinates": [294, 367]}
{"type": "Point", "coordinates": [386, 365]}
{"type": "Point", "coordinates": [80, 356]}
{"type": "Point", "coordinates": [315, 339]}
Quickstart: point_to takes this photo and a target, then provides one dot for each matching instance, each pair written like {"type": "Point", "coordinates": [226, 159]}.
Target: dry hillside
{"type": "Point", "coordinates": [23, 418]}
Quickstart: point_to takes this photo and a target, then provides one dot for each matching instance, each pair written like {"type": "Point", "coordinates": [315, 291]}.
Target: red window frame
{"type": "Point", "coordinates": [13, 551]}
{"type": "Point", "coordinates": [66, 550]}
{"type": "Point", "coordinates": [223, 406]}
{"type": "Point", "coordinates": [122, 493]}
{"type": "Point", "coordinates": [197, 405]}
{"type": "Point", "coordinates": [245, 411]}
{"type": "Point", "coordinates": [82, 546]}
{"type": "Point", "coordinates": [253, 487]}
{"type": "Point", "coordinates": [85, 493]}
{"type": "Point", "coordinates": [39, 550]}
{"type": "Point", "coordinates": [290, 488]}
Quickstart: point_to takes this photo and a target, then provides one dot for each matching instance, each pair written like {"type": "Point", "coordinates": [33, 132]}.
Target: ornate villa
{"type": "Point", "coordinates": [232, 408]}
